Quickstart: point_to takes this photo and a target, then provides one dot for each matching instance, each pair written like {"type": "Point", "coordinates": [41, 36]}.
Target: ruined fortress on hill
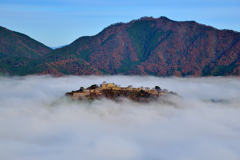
{"type": "Point", "coordinates": [113, 91]}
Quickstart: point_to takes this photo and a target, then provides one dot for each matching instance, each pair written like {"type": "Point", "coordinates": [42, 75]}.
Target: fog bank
{"type": "Point", "coordinates": [37, 122]}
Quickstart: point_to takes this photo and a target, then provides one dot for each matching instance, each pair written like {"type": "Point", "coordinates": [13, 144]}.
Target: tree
{"type": "Point", "coordinates": [157, 88]}
{"type": "Point", "coordinates": [94, 86]}
{"type": "Point", "coordinates": [130, 86]}
{"type": "Point", "coordinates": [81, 89]}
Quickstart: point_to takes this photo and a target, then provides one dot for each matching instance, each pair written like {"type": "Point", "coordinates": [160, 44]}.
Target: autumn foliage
{"type": "Point", "coordinates": [146, 46]}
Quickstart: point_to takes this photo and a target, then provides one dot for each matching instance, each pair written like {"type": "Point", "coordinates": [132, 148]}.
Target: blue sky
{"type": "Point", "coordinates": [60, 22]}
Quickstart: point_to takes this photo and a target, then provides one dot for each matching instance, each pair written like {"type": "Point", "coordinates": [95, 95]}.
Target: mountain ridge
{"type": "Point", "coordinates": [147, 46]}
{"type": "Point", "coordinates": [17, 49]}
{"type": "Point", "coordinates": [23, 45]}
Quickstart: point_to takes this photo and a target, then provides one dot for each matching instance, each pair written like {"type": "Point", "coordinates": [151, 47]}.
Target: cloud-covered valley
{"type": "Point", "coordinates": [37, 122]}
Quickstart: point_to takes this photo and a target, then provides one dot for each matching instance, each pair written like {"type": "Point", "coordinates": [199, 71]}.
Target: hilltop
{"type": "Point", "coordinates": [114, 92]}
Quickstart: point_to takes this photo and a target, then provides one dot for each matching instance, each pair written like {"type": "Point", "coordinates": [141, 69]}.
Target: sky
{"type": "Point", "coordinates": [38, 122]}
{"type": "Point", "coordinates": [60, 22]}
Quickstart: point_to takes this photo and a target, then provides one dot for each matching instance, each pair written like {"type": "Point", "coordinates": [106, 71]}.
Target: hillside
{"type": "Point", "coordinates": [147, 46]}
{"type": "Point", "coordinates": [17, 47]}
{"type": "Point", "coordinates": [115, 92]}
{"type": "Point", "coordinates": [14, 44]}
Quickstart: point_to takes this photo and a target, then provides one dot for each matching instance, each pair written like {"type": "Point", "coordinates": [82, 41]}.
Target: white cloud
{"type": "Point", "coordinates": [36, 123]}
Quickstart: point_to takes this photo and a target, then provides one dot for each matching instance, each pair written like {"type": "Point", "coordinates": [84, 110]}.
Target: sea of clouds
{"type": "Point", "coordinates": [37, 122]}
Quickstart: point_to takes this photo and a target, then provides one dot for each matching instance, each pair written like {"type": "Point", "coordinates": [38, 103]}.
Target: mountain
{"type": "Point", "coordinates": [16, 46]}
{"type": "Point", "coordinates": [147, 46]}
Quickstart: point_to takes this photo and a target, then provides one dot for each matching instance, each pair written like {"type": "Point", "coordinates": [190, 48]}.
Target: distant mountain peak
{"type": "Point", "coordinates": [146, 18]}
{"type": "Point", "coordinates": [165, 18]}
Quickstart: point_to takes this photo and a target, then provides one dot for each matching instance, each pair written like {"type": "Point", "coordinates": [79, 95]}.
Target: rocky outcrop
{"type": "Point", "coordinates": [115, 92]}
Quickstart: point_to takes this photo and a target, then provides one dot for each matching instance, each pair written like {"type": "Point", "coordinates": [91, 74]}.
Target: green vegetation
{"type": "Point", "coordinates": [20, 54]}
{"type": "Point", "coordinates": [2, 55]}
{"type": "Point", "coordinates": [108, 39]}
{"type": "Point", "coordinates": [84, 55]}
{"type": "Point", "coordinates": [219, 70]}
{"type": "Point", "coordinates": [224, 70]}
{"type": "Point", "coordinates": [158, 88]}
{"type": "Point", "coordinates": [21, 66]}
{"type": "Point", "coordinates": [167, 46]}
{"type": "Point", "coordinates": [151, 73]}
{"type": "Point", "coordinates": [94, 86]}
{"type": "Point", "coordinates": [127, 64]}
{"type": "Point", "coordinates": [14, 44]}
{"type": "Point", "coordinates": [187, 74]}
{"type": "Point", "coordinates": [207, 70]}
{"type": "Point", "coordinates": [103, 71]}
{"type": "Point", "coordinates": [144, 37]}
{"type": "Point", "coordinates": [81, 89]}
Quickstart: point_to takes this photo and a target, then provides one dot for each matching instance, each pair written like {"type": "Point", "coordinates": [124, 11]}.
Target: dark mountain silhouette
{"type": "Point", "coordinates": [147, 46]}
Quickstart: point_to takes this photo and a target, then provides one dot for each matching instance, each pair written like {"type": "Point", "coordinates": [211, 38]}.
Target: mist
{"type": "Point", "coordinates": [37, 122]}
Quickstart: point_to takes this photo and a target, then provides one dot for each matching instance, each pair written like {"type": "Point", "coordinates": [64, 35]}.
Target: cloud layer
{"type": "Point", "coordinates": [37, 123]}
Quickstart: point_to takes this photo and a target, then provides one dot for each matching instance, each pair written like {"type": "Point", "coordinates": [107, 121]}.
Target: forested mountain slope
{"type": "Point", "coordinates": [17, 49]}
{"type": "Point", "coordinates": [147, 46]}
